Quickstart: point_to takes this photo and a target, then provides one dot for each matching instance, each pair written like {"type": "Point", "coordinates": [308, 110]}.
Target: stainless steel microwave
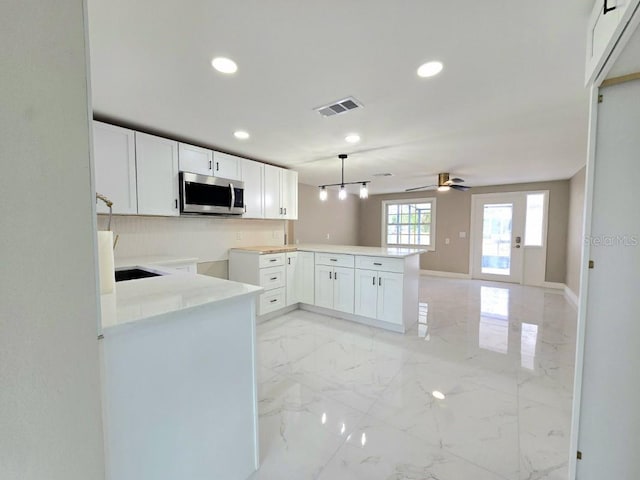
{"type": "Point", "coordinates": [210, 195]}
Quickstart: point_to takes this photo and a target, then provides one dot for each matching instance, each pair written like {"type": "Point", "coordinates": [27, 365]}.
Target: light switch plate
{"type": "Point", "coordinates": [463, 234]}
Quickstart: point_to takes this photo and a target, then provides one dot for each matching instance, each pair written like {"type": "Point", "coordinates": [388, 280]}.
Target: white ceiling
{"type": "Point", "coordinates": [509, 106]}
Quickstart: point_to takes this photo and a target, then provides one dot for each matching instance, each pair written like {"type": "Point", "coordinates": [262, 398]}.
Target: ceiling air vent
{"type": "Point", "coordinates": [341, 106]}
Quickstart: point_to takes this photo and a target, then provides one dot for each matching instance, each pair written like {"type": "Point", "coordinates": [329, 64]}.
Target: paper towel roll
{"type": "Point", "coordinates": [105, 262]}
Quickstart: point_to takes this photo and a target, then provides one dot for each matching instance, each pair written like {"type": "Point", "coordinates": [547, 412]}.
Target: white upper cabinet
{"type": "Point", "coordinates": [603, 31]}
{"type": "Point", "coordinates": [114, 156]}
{"type": "Point", "coordinates": [157, 171]}
{"type": "Point", "coordinates": [226, 166]}
{"type": "Point", "coordinates": [280, 193]}
{"type": "Point", "coordinates": [289, 187]}
{"type": "Point", "coordinates": [253, 178]}
{"type": "Point", "coordinates": [195, 159]}
{"type": "Point", "coordinates": [272, 191]}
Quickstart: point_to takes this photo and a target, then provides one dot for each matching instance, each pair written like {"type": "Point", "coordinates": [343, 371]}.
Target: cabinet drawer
{"type": "Point", "coordinates": [272, 277]}
{"type": "Point", "coordinates": [271, 301]}
{"type": "Point", "coordinates": [382, 264]}
{"type": "Point", "coordinates": [271, 260]}
{"type": "Point", "coordinates": [334, 259]}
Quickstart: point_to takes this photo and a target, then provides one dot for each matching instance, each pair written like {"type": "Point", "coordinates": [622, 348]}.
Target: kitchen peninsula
{"type": "Point", "coordinates": [179, 380]}
{"type": "Point", "coordinates": [377, 286]}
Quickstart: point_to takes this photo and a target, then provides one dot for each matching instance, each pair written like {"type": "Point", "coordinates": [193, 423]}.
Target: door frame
{"type": "Point", "coordinates": [478, 197]}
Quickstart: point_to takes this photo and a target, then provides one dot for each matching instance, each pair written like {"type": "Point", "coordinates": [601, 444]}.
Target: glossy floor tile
{"type": "Point", "coordinates": [480, 388]}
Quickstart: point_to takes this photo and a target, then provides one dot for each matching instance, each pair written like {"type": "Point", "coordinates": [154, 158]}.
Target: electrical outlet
{"type": "Point", "coordinates": [328, 236]}
{"type": "Point", "coordinates": [238, 235]}
{"type": "Point", "coordinates": [447, 241]}
{"type": "Point", "coordinates": [463, 234]}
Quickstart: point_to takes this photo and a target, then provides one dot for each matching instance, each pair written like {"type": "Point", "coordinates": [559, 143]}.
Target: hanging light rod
{"type": "Point", "coordinates": [364, 192]}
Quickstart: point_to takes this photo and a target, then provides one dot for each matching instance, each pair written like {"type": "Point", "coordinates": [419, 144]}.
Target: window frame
{"type": "Point", "coordinates": [402, 201]}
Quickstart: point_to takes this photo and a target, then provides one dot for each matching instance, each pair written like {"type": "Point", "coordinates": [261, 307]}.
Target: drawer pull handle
{"type": "Point", "coordinates": [376, 263]}
{"type": "Point", "coordinates": [273, 301]}
{"type": "Point", "coordinates": [333, 259]}
{"type": "Point", "coordinates": [273, 260]}
{"type": "Point", "coordinates": [273, 278]}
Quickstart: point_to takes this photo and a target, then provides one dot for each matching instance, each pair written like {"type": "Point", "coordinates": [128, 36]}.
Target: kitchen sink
{"type": "Point", "coordinates": [133, 274]}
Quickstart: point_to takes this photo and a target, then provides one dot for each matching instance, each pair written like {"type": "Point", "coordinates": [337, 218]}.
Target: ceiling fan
{"type": "Point", "coordinates": [444, 184]}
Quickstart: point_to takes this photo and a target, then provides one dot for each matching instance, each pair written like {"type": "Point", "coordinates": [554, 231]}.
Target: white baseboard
{"type": "Point", "coordinates": [571, 296]}
{"type": "Point", "coordinates": [556, 285]}
{"type": "Point", "coordinates": [438, 273]}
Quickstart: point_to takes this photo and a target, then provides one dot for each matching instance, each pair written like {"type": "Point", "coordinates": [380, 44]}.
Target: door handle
{"type": "Point", "coordinates": [233, 196]}
{"type": "Point", "coordinates": [330, 276]}
{"type": "Point", "coordinates": [374, 280]}
{"type": "Point", "coordinates": [379, 281]}
{"type": "Point", "coordinates": [209, 164]}
{"type": "Point", "coordinates": [335, 275]}
{"type": "Point", "coordinates": [176, 203]}
{"type": "Point", "coordinates": [217, 166]}
{"type": "Point", "coordinates": [285, 210]}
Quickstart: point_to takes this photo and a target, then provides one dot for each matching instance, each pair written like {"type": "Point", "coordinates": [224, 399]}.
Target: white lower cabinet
{"type": "Point", "coordinates": [292, 274]}
{"type": "Point", "coordinates": [305, 277]}
{"type": "Point", "coordinates": [379, 295]}
{"type": "Point", "coordinates": [334, 288]}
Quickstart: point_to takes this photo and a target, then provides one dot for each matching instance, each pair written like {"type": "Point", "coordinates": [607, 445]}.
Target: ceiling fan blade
{"type": "Point", "coordinates": [460, 188]}
{"type": "Point", "coordinates": [420, 188]}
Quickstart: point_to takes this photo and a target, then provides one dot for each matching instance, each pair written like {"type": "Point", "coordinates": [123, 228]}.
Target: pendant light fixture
{"type": "Point", "coordinates": [364, 191]}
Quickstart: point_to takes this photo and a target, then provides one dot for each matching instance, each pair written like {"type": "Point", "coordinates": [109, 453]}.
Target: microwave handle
{"type": "Point", "coordinates": [233, 196]}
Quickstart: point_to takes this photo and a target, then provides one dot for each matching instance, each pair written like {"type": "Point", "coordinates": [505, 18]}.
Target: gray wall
{"type": "Point", "coordinates": [50, 415]}
{"type": "Point", "coordinates": [453, 215]}
{"type": "Point", "coordinates": [575, 234]}
{"type": "Point", "coordinates": [316, 219]}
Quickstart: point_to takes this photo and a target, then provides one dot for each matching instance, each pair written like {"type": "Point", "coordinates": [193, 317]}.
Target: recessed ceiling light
{"type": "Point", "coordinates": [224, 65]}
{"type": "Point", "coordinates": [438, 395]}
{"type": "Point", "coordinates": [241, 134]}
{"type": "Point", "coordinates": [352, 138]}
{"type": "Point", "coordinates": [429, 69]}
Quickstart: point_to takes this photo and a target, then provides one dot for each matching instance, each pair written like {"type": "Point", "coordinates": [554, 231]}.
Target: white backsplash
{"type": "Point", "coordinates": [206, 238]}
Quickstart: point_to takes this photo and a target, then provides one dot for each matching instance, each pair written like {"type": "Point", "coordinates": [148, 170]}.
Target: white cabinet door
{"type": "Point", "coordinates": [343, 279]}
{"type": "Point", "coordinates": [195, 159]}
{"type": "Point", "coordinates": [324, 286]}
{"type": "Point", "coordinates": [157, 172]}
{"type": "Point", "coordinates": [305, 277]}
{"type": "Point", "coordinates": [389, 305]}
{"type": "Point", "coordinates": [272, 201]}
{"type": "Point", "coordinates": [366, 293]}
{"type": "Point", "coordinates": [114, 154]}
{"type": "Point", "coordinates": [289, 187]}
{"type": "Point", "coordinates": [253, 178]}
{"type": "Point", "coordinates": [226, 166]}
{"type": "Point", "coordinates": [292, 278]}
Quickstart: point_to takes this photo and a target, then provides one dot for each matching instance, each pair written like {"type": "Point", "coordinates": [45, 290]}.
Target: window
{"type": "Point", "coordinates": [409, 223]}
{"type": "Point", "coordinates": [534, 223]}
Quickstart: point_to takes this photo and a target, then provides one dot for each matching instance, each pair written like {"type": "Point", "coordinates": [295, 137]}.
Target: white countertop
{"type": "Point", "coordinates": [146, 298]}
{"type": "Point", "coordinates": [127, 262]}
{"type": "Point", "coordinates": [393, 252]}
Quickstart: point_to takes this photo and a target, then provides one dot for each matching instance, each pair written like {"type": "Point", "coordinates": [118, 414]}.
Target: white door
{"type": "Point", "coordinates": [390, 297]}
{"type": "Point", "coordinates": [609, 419]}
{"type": "Point", "coordinates": [195, 159]}
{"type": "Point", "coordinates": [324, 286]}
{"type": "Point", "coordinates": [292, 278]}
{"type": "Point", "coordinates": [305, 277]}
{"type": "Point", "coordinates": [498, 231]}
{"type": "Point", "coordinates": [252, 177]}
{"type": "Point", "coordinates": [343, 290]}
{"type": "Point", "coordinates": [226, 166]}
{"type": "Point", "coordinates": [289, 194]}
{"type": "Point", "coordinates": [366, 293]}
{"type": "Point", "coordinates": [157, 172]}
{"type": "Point", "coordinates": [272, 202]}
{"type": "Point", "coordinates": [114, 154]}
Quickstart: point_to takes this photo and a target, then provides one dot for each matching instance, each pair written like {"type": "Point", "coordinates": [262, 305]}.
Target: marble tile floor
{"type": "Point", "coordinates": [479, 389]}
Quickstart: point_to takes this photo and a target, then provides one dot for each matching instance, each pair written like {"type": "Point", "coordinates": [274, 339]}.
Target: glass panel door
{"type": "Point", "coordinates": [496, 238]}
